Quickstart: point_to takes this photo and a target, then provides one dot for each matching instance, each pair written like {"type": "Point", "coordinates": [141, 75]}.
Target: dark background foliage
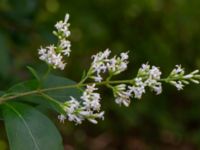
{"type": "Point", "coordinates": [161, 32]}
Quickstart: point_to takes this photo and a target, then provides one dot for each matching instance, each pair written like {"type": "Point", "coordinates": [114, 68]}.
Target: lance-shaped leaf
{"type": "Point", "coordinates": [51, 81]}
{"type": "Point", "coordinates": [28, 129]}
{"type": "Point", "coordinates": [61, 94]}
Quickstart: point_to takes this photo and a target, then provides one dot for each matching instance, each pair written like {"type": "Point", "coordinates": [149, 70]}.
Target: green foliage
{"type": "Point", "coordinates": [51, 81]}
{"type": "Point", "coordinates": [23, 87]}
{"type": "Point", "coordinates": [163, 32]}
{"type": "Point", "coordinates": [27, 128]}
{"type": "Point", "coordinates": [61, 94]}
{"type": "Point", "coordinates": [33, 72]}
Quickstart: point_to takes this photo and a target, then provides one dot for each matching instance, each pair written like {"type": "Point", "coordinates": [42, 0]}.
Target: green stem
{"type": "Point", "coordinates": [51, 99]}
{"type": "Point", "coordinates": [86, 77]}
{"type": "Point", "coordinates": [78, 85]}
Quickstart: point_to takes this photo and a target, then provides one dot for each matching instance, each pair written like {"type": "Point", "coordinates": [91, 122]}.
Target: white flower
{"type": "Point", "coordinates": [99, 60]}
{"type": "Point", "coordinates": [102, 63]}
{"type": "Point", "coordinates": [92, 117]}
{"type": "Point", "coordinates": [177, 71]}
{"type": "Point", "coordinates": [117, 65]}
{"type": "Point", "coordinates": [150, 76]}
{"type": "Point", "coordinates": [144, 69]}
{"type": "Point", "coordinates": [42, 51]}
{"type": "Point", "coordinates": [53, 55]}
{"type": "Point", "coordinates": [62, 26]}
{"type": "Point", "coordinates": [157, 88]}
{"type": "Point", "coordinates": [97, 78]}
{"type": "Point", "coordinates": [155, 73]}
{"type": "Point", "coordinates": [99, 64]}
{"type": "Point", "coordinates": [43, 54]}
{"type": "Point", "coordinates": [73, 105]}
{"type": "Point", "coordinates": [61, 65]}
{"type": "Point", "coordinates": [50, 56]}
{"type": "Point", "coordinates": [91, 88]}
{"type": "Point", "coordinates": [89, 110]}
{"type": "Point", "coordinates": [123, 98]}
{"type": "Point", "coordinates": [179, 85]}
{"type": "Point", "coordinates": [71, 108]}
{"type": "Point", "coordinates": [100, 115]}
{"type": "Point", "coordinates": [138, 81]}
{"type": "Point", "coordinates": [188, 76]}
{"type": "Point", "coordinates": [62, 118]}
{"type": "Point", "coordinates": [92, 120]}
{"type": "Point", "coordinates": [121, 95]}
{"type": "Point", "coordinates": [138, 91]}
{"type": "Point", "coordinates": [75, 118]}
{"type": "Point", "coordinates": [101, 56]}
{"type": "Point", "coordinates": [65, 47]}
{"type": "Point", "coordinates": [91, 100]}
{"type": "Point", "coordinates": [124, 56]}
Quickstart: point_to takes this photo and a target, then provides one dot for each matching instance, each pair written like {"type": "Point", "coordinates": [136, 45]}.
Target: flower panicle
{"type": "Point", "coordinates": [102, 64]}
{"type": "Point", "coordinates": [88, 106]}
{"type": "Point", "coordinates": [147, 77]}
{"type": "Point", "coordinates": [53, 55]}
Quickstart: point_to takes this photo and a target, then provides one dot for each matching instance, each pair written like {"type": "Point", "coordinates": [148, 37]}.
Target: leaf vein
{"type": "Point", "coordinates": [25, 124]}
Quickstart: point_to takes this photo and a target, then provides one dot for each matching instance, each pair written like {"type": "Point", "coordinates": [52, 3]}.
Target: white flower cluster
{"type": "Point", "coordinates": [121, 95]}
{"type": "Point", "coordinates": [102, 63]}
{"type": "Point", "coordinates": [53, 55]}
{"type": "Point", "coordinates": [151, 77]}
{"type": "Point", "coordinates": [178, 78]}
{"type": "Point", "coordinates": [91, 100]}
{"type": "Point", "coordinates": [123, 90]}
{"type": "Point", "coordinates": [147, 77]}
{"type": "Point", "coordinates": [89, 109]}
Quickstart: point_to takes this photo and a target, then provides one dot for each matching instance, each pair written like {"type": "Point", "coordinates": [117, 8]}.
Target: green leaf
{"type": "Point", "coordinates": [23, 87]}
{"type": "Point", "coordinates": [34, 73]}
{"type": "Point", "coordinates": [28, 129]}
{"type": "Point", "coordinates": [34, 99]}
{"type": "Point", "coordinates": [63, 94]}
{"type": "Point", "coordinates": [26, 86]}
{"type": "Point", "coordinates": [51, 81]}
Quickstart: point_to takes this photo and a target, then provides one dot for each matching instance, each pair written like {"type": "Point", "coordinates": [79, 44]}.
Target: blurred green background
{"type": "Point", "coordinates": [161, 32]}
